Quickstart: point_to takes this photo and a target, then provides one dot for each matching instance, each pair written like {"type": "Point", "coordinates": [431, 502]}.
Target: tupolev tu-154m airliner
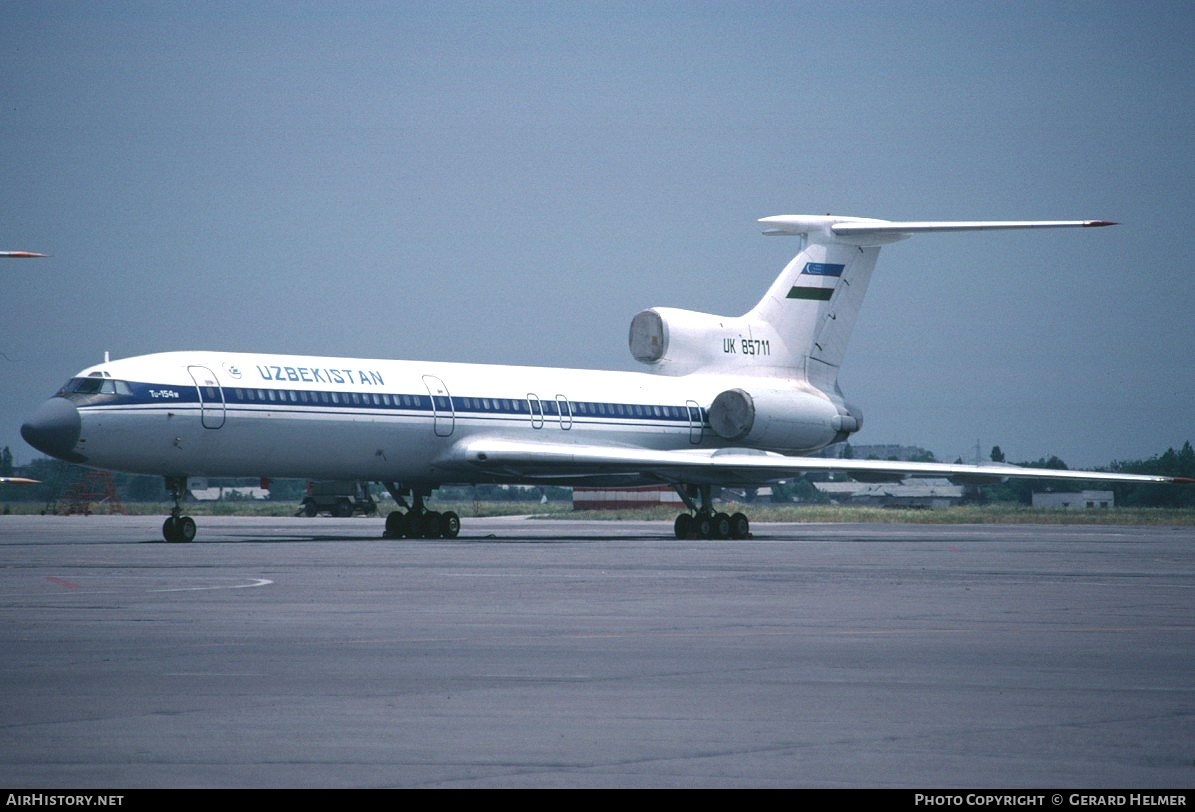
{"type": "Point", "coordinates": [734, 401]}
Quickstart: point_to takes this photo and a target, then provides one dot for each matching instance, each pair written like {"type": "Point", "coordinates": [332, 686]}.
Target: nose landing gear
{"type": "Point", "coordinates": [177, 527]}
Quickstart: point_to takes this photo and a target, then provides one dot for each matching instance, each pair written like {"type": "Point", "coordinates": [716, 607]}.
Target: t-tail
{"type": "Point", "coordinates": [800, 328]}
{"type": "Point", "coordinates": [796, 336]}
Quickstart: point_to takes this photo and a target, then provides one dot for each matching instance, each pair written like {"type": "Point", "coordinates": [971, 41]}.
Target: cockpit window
{"type": "Point", "coordinates": [84, 386]}
{"type": "Point", "coordinates": [96, 386]}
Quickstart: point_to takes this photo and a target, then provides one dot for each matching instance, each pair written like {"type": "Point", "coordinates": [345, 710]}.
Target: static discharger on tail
{"type": "Point", "coordinates": [726, 400]}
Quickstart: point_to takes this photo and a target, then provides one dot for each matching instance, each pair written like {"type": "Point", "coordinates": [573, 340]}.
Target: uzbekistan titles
{"type": "Point", "coordinates": [321, 375]}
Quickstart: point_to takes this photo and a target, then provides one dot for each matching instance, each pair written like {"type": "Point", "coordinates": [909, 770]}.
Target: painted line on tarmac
{"type": "Point", "coordinates": [255, 583]}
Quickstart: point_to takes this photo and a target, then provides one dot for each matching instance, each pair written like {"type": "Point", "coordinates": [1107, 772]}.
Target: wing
{"type": "Point", "coordinates": [18, 480]}
{"type": "Point", "coordinates": [516, 459]}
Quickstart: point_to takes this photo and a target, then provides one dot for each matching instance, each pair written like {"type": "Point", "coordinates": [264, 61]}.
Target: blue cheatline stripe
{"type": "Point", "coordinates": [823, 269]}
{"type": "Point", "coordinates": [166, 395]}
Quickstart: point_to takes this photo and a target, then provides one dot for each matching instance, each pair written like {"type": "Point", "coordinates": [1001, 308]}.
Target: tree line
{"type": "Point", "coordinates": [1169, 463]}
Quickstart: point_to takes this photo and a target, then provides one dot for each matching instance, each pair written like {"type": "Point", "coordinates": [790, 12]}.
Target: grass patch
{"type": "Point", "coordinates": [998, 513]}
{"type": "Point", "coordinates": [286, 508]}
{"type": "Point", "coordinates": [1001, 513]}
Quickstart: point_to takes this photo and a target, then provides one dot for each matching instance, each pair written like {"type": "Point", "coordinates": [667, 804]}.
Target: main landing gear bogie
{"type": "Point", "coordinates": [702, 522]}
{"type": "Point", "coordinates": [417, 522]}
{"type": "Point", "coordinates": [428, 524]}
{"type": "Point", "coordinates": [707, 525]}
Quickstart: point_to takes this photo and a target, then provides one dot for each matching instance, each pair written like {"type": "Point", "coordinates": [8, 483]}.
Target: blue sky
{"type": "Point", "coordinates": [512, 182]}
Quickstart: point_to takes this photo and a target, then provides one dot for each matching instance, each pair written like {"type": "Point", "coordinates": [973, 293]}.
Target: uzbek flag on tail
{"type": "Point", "coordinates": [816, 281]}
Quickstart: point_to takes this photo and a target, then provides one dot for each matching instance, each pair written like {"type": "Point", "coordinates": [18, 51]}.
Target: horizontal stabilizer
{"type": "Point", "coordinates": [963, 225]}
{"type": "Point", "coordinates": [878, 231]}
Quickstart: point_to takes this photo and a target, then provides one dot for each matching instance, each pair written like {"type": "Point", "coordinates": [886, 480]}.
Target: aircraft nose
{"type": "Point", "coordinates": [54, 429]}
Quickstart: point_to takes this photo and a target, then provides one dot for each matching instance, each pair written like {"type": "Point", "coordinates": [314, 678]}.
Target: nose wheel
{"type": "Point", "coordinates": [177, 527]}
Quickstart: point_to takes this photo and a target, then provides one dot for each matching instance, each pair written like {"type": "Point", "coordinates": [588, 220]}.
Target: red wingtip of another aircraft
{"type": "Point", "coordinates": [21, 254]}
{"type": "Point", "coordinates": [1183, 480]}
{"type": "Point", "coordinates": [1096, 223]}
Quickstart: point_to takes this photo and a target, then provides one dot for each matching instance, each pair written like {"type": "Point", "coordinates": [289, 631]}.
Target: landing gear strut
{"type": "Point", "coordinates": [418, 522]}
{"type": "Point", "coordinates": [177, 527]}
{"type": "Point", "coordinates": [702, 522]}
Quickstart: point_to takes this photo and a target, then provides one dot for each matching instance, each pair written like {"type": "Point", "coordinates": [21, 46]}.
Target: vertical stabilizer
{"type": "Point", "coordinates": [814, 302]}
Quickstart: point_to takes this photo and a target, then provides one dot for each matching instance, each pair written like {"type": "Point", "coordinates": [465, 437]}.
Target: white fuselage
{"type": "Point", "coordinates": [246, 414]}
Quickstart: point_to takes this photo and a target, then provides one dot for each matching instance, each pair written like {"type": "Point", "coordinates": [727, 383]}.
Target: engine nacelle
{"type": "Point", "coordinates": [780, 418]}
{"type": "Point", "coordinates": [676, 342]}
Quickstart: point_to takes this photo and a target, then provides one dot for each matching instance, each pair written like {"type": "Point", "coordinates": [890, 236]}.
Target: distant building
{"type": "Point", "coordinates": [202, 491]}
{"type": "Point", "coordinates": [926, 494]}
{"type": "Point", "coordinates": [218, 493]}
{"type": "Point", "coordinates": [638, 496]}
{"type": "Point", "coordinates": [624, 498]}
{"type": "Point", "coordinates": [1083, 500]}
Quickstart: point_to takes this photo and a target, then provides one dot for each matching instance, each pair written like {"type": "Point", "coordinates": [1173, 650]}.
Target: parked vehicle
{"type": "Point", "coordinates": [342, 498]}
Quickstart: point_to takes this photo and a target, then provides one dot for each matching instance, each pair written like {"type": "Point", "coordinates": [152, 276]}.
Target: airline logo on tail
{"type": "Point", "coordinates": [816, 281]}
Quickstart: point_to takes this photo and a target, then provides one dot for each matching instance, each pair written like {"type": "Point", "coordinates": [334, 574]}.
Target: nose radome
{"type": "Point", "coordinates": [54, 429]}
